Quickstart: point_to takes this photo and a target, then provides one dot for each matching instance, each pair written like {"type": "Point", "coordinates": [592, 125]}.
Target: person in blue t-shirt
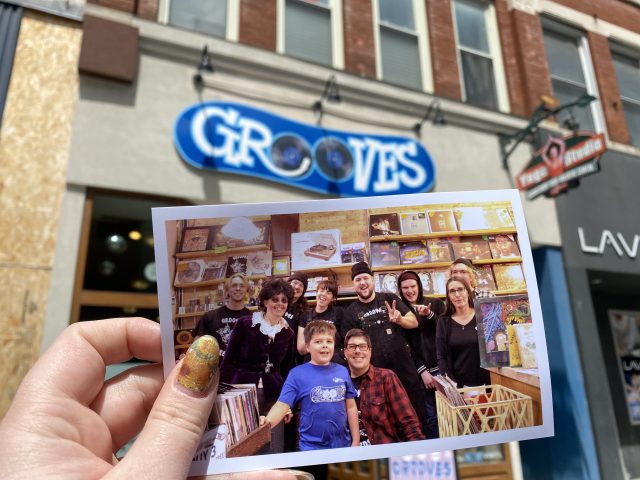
{"type": "Point", "coordinates": [323, 389]}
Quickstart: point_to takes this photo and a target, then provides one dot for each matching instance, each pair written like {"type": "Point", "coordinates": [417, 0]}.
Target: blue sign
{"type": "Point", "coordinates": [235, 138]}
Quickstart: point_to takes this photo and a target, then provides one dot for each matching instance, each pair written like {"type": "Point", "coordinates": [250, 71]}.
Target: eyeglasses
{"type": "Point", "coordinates": [456, 291]}
{"type": "Point", "coordinates": [363, 347]}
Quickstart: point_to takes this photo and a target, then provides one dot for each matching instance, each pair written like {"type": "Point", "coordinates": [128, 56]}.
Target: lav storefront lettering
{"type": "Point", "coordinates": [235, 138]}
{"type": "Point", "coordinates": [618, 243]}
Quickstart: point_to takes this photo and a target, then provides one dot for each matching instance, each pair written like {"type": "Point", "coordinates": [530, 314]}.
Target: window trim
{"type": "Point", "coordinates": [232, 28]}
{"type": "Point", "coordinates": [421, 33]}
{"type": "Point", "coordinates": [337, 37]}
{"type": "Point", "coordinates": [586, 62]}
{"type": "Point", "coordinates": [495, 53]}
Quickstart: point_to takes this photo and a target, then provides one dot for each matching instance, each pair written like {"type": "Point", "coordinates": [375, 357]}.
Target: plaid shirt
{"type": "Point", "coordinates": [482, 293]}
{"type": "Point", "coordinates": [387, 414]}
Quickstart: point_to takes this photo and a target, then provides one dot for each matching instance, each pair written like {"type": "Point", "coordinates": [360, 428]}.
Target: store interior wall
{"type": "Point", "coordinates": [550, 457]}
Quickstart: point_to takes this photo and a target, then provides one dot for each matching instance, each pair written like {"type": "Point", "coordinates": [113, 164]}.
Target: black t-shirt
{"type": "Point", "coordinates": [334, 315]}
{"type": "Point", "coordinates": [390, 348]}
{"type": "Point", "coordinates": [463, 341]}
{"type": "Point", "coordinates": [219, 324]}
{"type": "Point", "coordinates": [364, 438]}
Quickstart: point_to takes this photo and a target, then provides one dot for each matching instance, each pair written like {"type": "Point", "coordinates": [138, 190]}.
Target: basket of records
{"type": "Point", "coordinates": [487, 408]}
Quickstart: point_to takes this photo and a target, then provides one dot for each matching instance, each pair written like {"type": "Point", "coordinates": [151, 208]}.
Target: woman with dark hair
{"type": "Point", "coordinates": [325, 309]}
{"type": "Point", "coordinates": [260, 349]}
{"type": "Point", "coordinates": [298, 306]}
{"type": "Point", "coordinates": [457, 337]}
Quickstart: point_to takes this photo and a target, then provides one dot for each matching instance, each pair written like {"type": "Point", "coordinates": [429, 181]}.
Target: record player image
{"type": "Point", "coordinates": [315, 249]}
{"type": "Point", "coordinates": [323, 252]}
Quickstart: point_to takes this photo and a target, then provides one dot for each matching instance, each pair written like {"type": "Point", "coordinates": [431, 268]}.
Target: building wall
{"type": "Point", "coordinates": [34, 152]}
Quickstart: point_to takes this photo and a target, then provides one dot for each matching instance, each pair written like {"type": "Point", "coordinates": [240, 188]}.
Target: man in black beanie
{"type": "Point", "coordinates": [384, 317]}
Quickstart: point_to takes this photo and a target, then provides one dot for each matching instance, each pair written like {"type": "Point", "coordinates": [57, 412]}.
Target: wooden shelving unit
{"type": "Point", "coordinates": [455, 233]}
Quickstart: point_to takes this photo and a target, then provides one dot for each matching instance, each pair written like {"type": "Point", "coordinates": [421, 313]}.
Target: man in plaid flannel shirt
{"type": "Point", "coordinates": [379, 390]}
{"type": "Point", "coordinates": [463, 268]}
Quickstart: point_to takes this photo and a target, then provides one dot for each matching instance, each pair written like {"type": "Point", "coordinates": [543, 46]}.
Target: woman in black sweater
{"type": "Point", "coordinates": [457, 337]}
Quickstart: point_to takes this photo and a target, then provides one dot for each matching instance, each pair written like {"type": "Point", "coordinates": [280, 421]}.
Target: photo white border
{"type": "Point", "coordinates": [257, 462]}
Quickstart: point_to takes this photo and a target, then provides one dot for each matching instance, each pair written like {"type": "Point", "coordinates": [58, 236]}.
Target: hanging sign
{"type": "Point", "coordinates": [560, 163]}
{"type": "Point", "coordinates": [235, 138]}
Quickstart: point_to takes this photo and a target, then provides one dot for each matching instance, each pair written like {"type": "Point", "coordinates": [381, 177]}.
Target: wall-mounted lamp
{"type": "Point", "coordinates": [438, 117]}
{"type": "Point", "coordinates": [330, 94]}
{"type": "Point", "coordinates": [204, 66]}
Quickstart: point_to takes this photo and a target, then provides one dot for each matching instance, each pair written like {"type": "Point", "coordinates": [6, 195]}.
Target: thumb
{"type": "Point", "coordinates": [168, 441]}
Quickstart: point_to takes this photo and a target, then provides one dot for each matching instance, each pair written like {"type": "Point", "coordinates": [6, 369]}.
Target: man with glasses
{"type": "Point", "coordinates": [385, 318]}
{"type": "Point", "coordinates": [463, 268]}
{"type": "Point", "coordinates": [384, 411]}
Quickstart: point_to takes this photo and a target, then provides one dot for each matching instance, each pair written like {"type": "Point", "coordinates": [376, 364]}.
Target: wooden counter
{"type": "Point", "coordinates": [521, 380]}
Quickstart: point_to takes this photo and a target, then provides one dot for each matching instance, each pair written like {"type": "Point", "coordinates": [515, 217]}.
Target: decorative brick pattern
{"type": "Point", "coordinates": [617, 12]}
{"type": "Point", "coordinates": [147, 9]}
{"type": "Point", "coordinates": [359, 45]}
{"type": "Point", "coordinates": [510, 58]}
{"type": "Point", "coordinates": [446, 75]}
{"type": "Point", "coordinates": [258, 23]}
{"type": "Point", "coordinates": [123, 5]}
{"type": "Point", "coordinates": [532, 59]}
{"type": "Point", "coordinates": [608, 88]}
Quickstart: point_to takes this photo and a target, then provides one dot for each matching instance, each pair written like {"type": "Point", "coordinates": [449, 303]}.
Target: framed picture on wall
{"type": "Point", "coordinates": [195, 239]}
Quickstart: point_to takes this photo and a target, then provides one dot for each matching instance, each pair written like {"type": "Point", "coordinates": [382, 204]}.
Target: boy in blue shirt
{"type": "Point", "coordinates": [328, 412]}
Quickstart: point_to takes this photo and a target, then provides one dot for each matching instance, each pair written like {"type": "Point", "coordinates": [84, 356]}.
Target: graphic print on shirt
{"type": "Point", "coordinates": [322, 394]}
{"type": "Point", "coordinates": [374, 316]}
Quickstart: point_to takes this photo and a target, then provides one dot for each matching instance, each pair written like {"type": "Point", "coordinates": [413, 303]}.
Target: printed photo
{"type": "Point", "coordinates": [337, 340]}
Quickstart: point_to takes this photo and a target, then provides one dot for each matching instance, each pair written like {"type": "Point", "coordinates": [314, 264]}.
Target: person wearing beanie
{"type": "Point", "coordinates": [423, 339]}
{"type": "Point", "coordinates": [386, 319]}
{"type": "Point", "coordinates": [463, 267]}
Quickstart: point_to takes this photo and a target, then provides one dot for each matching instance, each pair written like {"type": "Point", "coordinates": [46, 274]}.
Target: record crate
{"type": "Point", "coordinates": [493, 408]}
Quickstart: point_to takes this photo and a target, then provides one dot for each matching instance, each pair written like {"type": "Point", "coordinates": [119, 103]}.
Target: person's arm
{"type": "Point", "coordinates": [401, 314]}
{"type": "Point", "coordinates": [277, 413]}
{"type": "Point", "coordinates": [352, 419]}
{"type": "Point", "coordinates": [403, 415]}
{"type": "Point", "coordinates": [302, 346]}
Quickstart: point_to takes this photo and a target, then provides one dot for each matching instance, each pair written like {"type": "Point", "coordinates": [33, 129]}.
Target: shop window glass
{"type": "Point", "coordinates": [476, 60]}
{"type": "Point", "coordinates": [116, 258]}
{"type": "Point", "coordinates": [486, 454]}
{"type": "Point", "coordinates": [307, 30]}
{"type": "Point", "coordinates": [204, 16]}
{"type": "Point", "coordinates": [399, 52]}
{"type": "Point", "coordinates": [120, 255]}
{"type": "Point", "coordinates": [565, 54]}
{"type": "Point", "coordinates": [628, 76]}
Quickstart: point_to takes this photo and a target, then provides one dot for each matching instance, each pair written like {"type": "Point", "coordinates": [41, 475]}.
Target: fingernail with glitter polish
{"type": "Point", "coordinates": [200, 365]}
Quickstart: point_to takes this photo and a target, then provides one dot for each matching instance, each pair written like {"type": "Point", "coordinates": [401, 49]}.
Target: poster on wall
{"type": "Point", "coordinates": [235, 440]}
{"type": "Point", "coordinates": [625, 327]}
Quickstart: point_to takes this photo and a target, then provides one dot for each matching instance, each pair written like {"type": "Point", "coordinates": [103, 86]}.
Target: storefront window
{"type": "Point", "coordinates": [475, 56]}
{"type": "Point", "coordinates": [628, 74]}
{"type": "Point", "coordinates": [489, 453]}
{"type": "Point", "coordinates": [307, 30]}
{"type": "Point", "coordinates": [116, 266]}
{"type": "Point", "coordinates": [398, 39]}
{"type": "Point", "coordinates": [204, 16]}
